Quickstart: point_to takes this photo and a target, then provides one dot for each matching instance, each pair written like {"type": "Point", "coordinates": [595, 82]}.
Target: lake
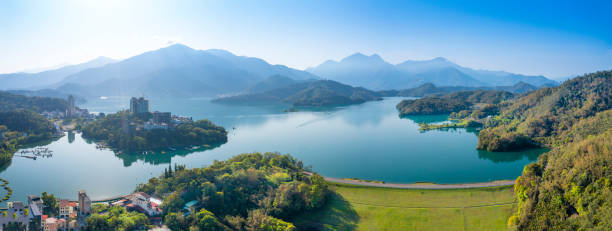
{"type": "Point", "coordinates": [366, 141]}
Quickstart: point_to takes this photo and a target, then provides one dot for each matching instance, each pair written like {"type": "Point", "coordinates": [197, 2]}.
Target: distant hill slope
{"type": "Point", "coordinates": [51, 93]}
{"type": "Point", "coordinates": [11, 102]}
{"type": "Point", "coordinates": [177, 70]}
{"type": "Point", "coordinates": [310, 93]}
{"type": "Point", "coordinates": [373, 72]}
{"type": "Point", "coordinates": [428, 89]}
{"type": "Point", "coordinates": [46, 78]}
{"type": "Point", "coordinates": [270, 83]}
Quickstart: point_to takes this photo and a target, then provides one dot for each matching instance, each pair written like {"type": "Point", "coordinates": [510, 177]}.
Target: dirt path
{"type": "Point", "coordinates": [419, 186]}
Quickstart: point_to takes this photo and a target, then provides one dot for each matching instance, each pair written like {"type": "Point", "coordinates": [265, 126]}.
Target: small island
{"type": "Point", "coordinates": [139, 130]}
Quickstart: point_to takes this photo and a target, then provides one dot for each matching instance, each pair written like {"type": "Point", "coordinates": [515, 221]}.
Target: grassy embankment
{"type": "Point", "coordinates": [371, 208]}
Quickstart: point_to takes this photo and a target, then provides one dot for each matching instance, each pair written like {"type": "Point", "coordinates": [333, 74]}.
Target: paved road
{"type": "Point", "coordinates": [419, 186]}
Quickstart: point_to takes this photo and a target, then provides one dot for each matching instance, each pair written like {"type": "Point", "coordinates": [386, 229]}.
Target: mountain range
{"type": "Point", "coordinates": [373, 72]}
{"type": "Point", "coordinates": [44, 79]}
{"type": "Point", "coordinates": [179, 70]}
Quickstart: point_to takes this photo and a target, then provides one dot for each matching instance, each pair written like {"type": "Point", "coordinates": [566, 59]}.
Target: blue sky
{"type": "Point", "coordinates": [551, 38]}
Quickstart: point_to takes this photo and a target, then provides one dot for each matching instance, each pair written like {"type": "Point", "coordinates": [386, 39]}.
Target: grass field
{"type": "Point", "coordinates": [370, 208]}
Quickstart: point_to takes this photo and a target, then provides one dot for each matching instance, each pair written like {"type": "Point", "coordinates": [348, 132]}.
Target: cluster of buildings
{"type": "Point", "coordinates": [71, 214]}
{"type": "Point", "coordinates": [141, 202]}
{"type": "Point", "coordinates": [159, 120]}
{"type": "Point", "coordinates": [71, 111]}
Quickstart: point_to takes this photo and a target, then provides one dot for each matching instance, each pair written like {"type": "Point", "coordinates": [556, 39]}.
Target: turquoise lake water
{"type": "Point", "coordinates": [366, 141]}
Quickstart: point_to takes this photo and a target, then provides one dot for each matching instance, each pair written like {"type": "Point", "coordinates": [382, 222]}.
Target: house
{"type": "Point", "coordinates": [144, 203]}
{"type": "Point", "coordinates": [15, 213]}
{"type": "Point", "coordinates": [36, 207]}
{"type": "Point", "coordinates": [67, 209]}
{"type": "Point", "coordinates": [53, 224]}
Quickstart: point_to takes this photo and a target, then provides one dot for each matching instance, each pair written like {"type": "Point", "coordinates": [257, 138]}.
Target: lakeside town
{"type": "Point", "coordinates": [71, 215]}
{"type": "Point", "coordinates": [66, 214]}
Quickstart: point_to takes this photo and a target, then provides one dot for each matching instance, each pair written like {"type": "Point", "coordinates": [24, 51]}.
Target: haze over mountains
{"type": "Point", "coordinates": [43, 79]}
{"type": "Point", "coordinates": [179, 70]}
{"type": "Point", "coordinates": [373, 72]}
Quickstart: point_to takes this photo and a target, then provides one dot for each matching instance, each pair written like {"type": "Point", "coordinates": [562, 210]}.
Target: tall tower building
{"type": "Point", "coordinates": [70, 109]}
{"type": "Point", "coordinates": [84, 203]}
{"type": "Point", "coordinates": [139, 105]}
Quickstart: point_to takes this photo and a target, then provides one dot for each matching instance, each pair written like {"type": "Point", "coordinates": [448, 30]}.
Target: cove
{"type": "Point", "coordinates": [366, 141]}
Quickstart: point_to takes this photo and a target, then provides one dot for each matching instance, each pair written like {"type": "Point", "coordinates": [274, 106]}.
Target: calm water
{"type": "Point", "coordinates": [367, 141]}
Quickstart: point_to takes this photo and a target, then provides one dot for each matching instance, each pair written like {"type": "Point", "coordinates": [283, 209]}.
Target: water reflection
{"type": "Point", "coordinates": [157, 158]}
{"type": "Point", "coordinates": [499, 157]}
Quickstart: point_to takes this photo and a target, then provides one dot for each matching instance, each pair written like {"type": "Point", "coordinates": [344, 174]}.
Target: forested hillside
{"type": "Point", "coordinates": [453, 102]}
{"type": "Point", "coordinates": [9, 101]}
{"type": "Point", "coordinates": [544, 116]}
{"type": "Point", "coordinates": [21, 127]}
{"type": "Point", "coordinates": [247, 192]}
{"type": "Point", "coordinates": [570, 187]}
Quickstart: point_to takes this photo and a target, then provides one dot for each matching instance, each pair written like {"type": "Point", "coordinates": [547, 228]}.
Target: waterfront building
{"type": "Point", "coordinates": [36, 207]}
{"type": "Point", "coordinates": [67, 209]}
{"type": "Point", "coordinates": [144, 203]}
{"type": "Point", "coordinates": [139, 105]}
{"type": "Point", "coordinates": [84, 203]}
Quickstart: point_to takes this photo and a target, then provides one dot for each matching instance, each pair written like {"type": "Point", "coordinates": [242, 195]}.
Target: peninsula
{"type": "Point", "coordinates": [139, 130]}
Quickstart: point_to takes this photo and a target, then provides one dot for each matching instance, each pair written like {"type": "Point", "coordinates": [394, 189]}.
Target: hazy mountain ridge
{"type": "Point", "coordinates": [46, 78]}
{"type": "Point", "coordinates": [201, 73]}
{"type": "Point", "coordinates": [373, 72]}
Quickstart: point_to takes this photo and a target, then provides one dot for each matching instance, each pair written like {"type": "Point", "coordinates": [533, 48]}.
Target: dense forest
{"type": "Point", "coordinates": [9, 102]}
{"type": "Point", "coordinates": [453, 102]}
{"type": "Point", "coordinates": [570, 187]}
{"type": "Point", "coordinates": [122, 131]}
{"type": "Point", "coordinates": [21, 127]}
{"type": "Point", "coordinates": [247, 192]}
{"type": "Point", "coordinates": [544, 117]}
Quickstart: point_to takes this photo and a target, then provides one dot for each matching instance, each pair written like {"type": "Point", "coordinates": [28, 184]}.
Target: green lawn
{"type": "Point", "coordinates": [370, 208]}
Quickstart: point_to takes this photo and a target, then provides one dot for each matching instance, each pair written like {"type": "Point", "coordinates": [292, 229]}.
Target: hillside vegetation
{"type": "Point", "coordinates": [453, 102]}
{"type": "Point", "coordinates": [569, 188]}
{"type": "Point", "coordinates": [247, 192]}
{"type": "Point", "coordinates": [544, 117]}
{"type": "Point", "coordinates": [21, 127]}
{"type": "Point", "coordinates": [9, 102]}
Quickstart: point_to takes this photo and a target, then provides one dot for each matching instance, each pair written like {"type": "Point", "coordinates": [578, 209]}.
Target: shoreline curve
{"type": "Point", "coordinates": [418, 185]}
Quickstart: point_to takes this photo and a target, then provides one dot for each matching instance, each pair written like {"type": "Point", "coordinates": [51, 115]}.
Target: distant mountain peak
{"type": "Point", "coordinates": [359, 57]}
{"type": "Point", "coordinates": [177, 47]}
{"type": "Point", "coordinates": [440, 59]}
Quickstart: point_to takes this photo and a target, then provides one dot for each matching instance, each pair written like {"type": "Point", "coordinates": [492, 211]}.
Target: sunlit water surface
{"type": "Point", "coordinates": [366, 141]}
